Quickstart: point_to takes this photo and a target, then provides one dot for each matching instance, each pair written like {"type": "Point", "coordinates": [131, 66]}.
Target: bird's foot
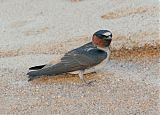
{"type": "Point", "coordinates": [90, 83]}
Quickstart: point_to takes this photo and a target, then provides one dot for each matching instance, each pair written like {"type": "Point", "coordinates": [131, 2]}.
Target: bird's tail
{"type": "Point", "coordinates": [39, 73]}
{"type": "Point", "coordinates": [33, 75]}
{"type": "Point", "coordinates": [48, 70]}
{"type": "Point", "coordinates": [37, 67]}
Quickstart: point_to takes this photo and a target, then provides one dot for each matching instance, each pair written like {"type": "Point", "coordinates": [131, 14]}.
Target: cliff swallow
{"type": "Point", "coordinates": [85, 59]}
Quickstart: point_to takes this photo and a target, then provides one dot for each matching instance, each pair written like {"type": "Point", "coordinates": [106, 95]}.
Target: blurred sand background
{"type": "Point", "coordinates": [35, 31]}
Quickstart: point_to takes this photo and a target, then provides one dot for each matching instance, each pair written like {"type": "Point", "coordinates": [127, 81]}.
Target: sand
{"type": "Point", "coordinates": [34, 32]}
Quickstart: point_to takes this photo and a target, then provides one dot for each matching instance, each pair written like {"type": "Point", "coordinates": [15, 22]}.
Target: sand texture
{"type": "Point", "coordinates": [34, 32]}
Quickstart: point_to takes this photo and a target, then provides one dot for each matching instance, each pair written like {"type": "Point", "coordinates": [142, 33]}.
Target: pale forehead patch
{"type": "Point", "coordinates": [107, 34]}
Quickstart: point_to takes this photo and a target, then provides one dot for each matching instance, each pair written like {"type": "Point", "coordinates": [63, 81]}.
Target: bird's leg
{"type": "Point", "coordinates": [81, 76]}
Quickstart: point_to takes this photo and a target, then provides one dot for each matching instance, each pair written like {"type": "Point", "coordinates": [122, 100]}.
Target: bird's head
{"type": "Point", "coordinates": [102, 38]}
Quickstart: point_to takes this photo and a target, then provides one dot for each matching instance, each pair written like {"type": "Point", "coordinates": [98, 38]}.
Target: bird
{"type": "Point", "coordinates": [87, 58]}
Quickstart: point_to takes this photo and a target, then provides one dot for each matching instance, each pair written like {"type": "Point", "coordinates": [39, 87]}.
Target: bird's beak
{"type": "Point", "coordinates": [109, 38]}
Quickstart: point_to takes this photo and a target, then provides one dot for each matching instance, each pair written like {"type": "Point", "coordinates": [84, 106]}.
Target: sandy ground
{"type": "Point", "coordinates": [34, 32]}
